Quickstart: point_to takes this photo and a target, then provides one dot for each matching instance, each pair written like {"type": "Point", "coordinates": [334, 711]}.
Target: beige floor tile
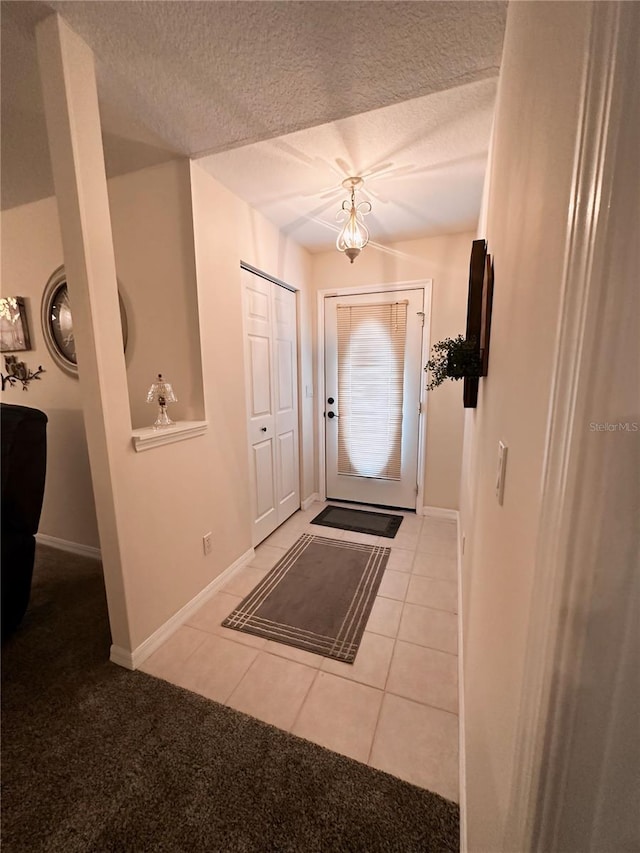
{"type": "Point", "coordinates": [435, 566]}
{"type": "Point", "coordinates": [215, 668]}
{"type": "Point", "coordinates": [266, 556]}
{"type": "Point", "coordinates": [307, 515]}
{"type": "Point", "coordinates": [408, 539]}
{"type": "Point", "coordinates": [327, 532]}
{"type": "Point", "coordinates": [244, 580]}
{"type": "Point", "coordinates": [394, 585]}
{"type": "Point", "coordinates": [433, 592]}
{"type": "Point", "coordinates": [418, 744]}
{"type": "Point", "coordinates": [284, 537]}
{"type": "Point", "coordinates": [270, 680]}
{"type": "Point", "coordinates": [385, 617]}
{"type": "Point", "coordinates": [209, 617]}
{"type": "Point", "coordinates": [273, 689]}
{"type": "Point", "coordinates": [364, 538]}
{"type": "Point", "coordinates": [440, 526]}
{"type": "Point", "coordinates": [424, 675]}
{"type": "Point", "coordinates": [168, 660]}
{"type": "Point", "coordinates": [340, 715]}
{"type": "Point", "coordinates": [300, 519]}
{"type": "Point", "coordinates": [411, 524]}
{"type": "Point", "coordinates": [436, 543]}
{"type": "Point", "coordinates": [400, 559]}
{"type": "Point", "coordinates": [371, 665]}
{"type": "Point", "coordinates": [425, 626]}
{"type": "Point", "coordinates": [292, 653]}
{"type": "Point", "coordinates": [297, 520]}
{"type": "Point", "coordinates": [303, 519]}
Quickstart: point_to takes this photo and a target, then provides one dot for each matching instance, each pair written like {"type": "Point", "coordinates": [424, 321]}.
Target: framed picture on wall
{"type": "Point", "coordinates": [14, 327]}
{"type": "Point", "coordinates": [479, 305]}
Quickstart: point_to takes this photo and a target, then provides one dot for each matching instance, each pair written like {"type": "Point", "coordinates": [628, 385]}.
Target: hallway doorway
{"type": "Point", "coordinates": [372, 406]}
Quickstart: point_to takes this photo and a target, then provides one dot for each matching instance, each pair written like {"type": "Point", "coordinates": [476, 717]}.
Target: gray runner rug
{"type": "Point", "coordinates": [317, 597]}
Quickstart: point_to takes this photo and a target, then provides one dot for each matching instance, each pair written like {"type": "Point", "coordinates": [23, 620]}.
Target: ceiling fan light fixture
{"type": "Point", "coordinates": [354, 235]}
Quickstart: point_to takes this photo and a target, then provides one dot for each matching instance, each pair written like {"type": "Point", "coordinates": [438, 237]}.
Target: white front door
{"type": "Point", "coordinates": [373, 376]}
{"type": "Point", "coordinates": [272, 402]}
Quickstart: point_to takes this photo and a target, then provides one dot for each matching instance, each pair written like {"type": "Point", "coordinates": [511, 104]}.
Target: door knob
{"type": "Point", "coordinates": [331, 415]}
{"type": "Point", "coordinates": [263, 429]}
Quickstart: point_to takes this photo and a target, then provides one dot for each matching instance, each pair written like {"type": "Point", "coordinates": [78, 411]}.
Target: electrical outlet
{"type": "Point", "coordinates": [207, 543]}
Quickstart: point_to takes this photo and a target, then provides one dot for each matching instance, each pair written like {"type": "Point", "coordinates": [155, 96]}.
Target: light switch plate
{"type": "Point", "coordinates": [502, 468]}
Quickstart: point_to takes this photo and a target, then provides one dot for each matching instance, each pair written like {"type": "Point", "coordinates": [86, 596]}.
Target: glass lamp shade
{"type": "Point", "coordinates": [354, 235]}
{"type": "Point", "coordinates": [161, 393]}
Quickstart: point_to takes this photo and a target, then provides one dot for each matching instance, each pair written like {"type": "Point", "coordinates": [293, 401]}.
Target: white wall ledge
{"type": "Point", "coordinates": [145, 439]}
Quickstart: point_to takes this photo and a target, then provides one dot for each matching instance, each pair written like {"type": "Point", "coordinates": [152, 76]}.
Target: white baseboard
{"type": "Point", "coordinates": [132, 660]}
{"type": "Point", "coordinates": [462, 758]}
{"type": "Point", "coordinates": [306, 503]}
{"type": "Point", "coordinates": [439, 512]}
{"type": "Point", "coordinates": [66, 545]}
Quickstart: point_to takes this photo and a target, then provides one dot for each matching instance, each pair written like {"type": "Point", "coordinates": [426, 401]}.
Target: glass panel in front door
{"type": "Point", "coordinates": [373, 347]}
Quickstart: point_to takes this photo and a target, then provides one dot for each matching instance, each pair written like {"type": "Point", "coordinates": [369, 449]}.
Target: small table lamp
{"type": "Point", "coordinates": [161, 393]}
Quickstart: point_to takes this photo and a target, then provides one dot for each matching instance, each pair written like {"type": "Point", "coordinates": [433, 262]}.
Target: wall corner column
{"type": "Point", "coordinates": [75, 143]}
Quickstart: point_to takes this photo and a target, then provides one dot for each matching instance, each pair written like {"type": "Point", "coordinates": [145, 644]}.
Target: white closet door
{"type": "Point", "coordinates": [261, 419]}
{"type": "Point", "coordinates": [272, 403]}
{"type": "Point", "coordinates": [286, 401]}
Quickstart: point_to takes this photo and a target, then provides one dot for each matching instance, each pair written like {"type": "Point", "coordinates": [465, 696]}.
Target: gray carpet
{"type": "Point", "coordinates": [95, 758]}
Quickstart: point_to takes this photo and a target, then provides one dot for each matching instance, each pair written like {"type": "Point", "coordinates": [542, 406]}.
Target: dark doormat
{"type": "Point", "coordinates": [359, 521]}
{"type": "Point", "coordinates": [317, 597]}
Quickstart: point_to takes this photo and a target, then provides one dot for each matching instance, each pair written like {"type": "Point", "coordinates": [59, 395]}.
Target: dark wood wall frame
{"type": "Point", "coordinates": [479, 305]}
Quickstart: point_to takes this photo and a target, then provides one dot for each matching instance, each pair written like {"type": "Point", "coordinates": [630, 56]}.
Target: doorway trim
{"type": "Point", "coordinates": [564, 604]}
{"type": "Point", "coordinates": [262, 274]}
{"type": "Point", "coordinates": [422, 284]}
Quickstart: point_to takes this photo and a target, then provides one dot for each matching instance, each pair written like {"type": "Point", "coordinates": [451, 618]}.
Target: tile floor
{"type": "Point", "coordinates": [395, 708]}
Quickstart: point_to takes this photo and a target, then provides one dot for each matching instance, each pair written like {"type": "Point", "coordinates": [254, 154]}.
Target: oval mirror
{"type": "Point", "coordinates": [57, 323]}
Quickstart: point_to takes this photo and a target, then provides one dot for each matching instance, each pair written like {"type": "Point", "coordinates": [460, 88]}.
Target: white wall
{"type": "Point", "coordinates": [169, 497]}
{"type": "Point", "coordinates": [528, 221]}
{"type": "Point", "coordinates": [228, 231]}
{"type": "Point", "coordinates": [186, 489]}
{"type": "Point", "coordinates": [533, 148]}
{"type": "Point", "coordinates": [446, 261]}
{"type": "Point", "coordinates": [589, 785]}
{"type": "Point", "coordinates": [153, 242]}
{"type": "Point", "coordinates": [31, 251]}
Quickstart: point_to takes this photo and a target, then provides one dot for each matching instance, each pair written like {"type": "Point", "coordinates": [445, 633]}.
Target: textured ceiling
{"type": "Point", "coordinates": [424, 162]}
{"type": "Point", "coordinates": [207, 77]}
{"type": "Point", "coordinates": [25, 166]}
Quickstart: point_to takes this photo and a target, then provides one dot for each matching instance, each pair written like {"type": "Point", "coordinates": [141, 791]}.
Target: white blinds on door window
{"type": "Point", "coordinates": [371, 346]}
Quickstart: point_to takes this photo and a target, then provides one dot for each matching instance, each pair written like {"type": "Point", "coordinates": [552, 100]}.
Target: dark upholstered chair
{"type": "Point", "coordinates": [24, 462]}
